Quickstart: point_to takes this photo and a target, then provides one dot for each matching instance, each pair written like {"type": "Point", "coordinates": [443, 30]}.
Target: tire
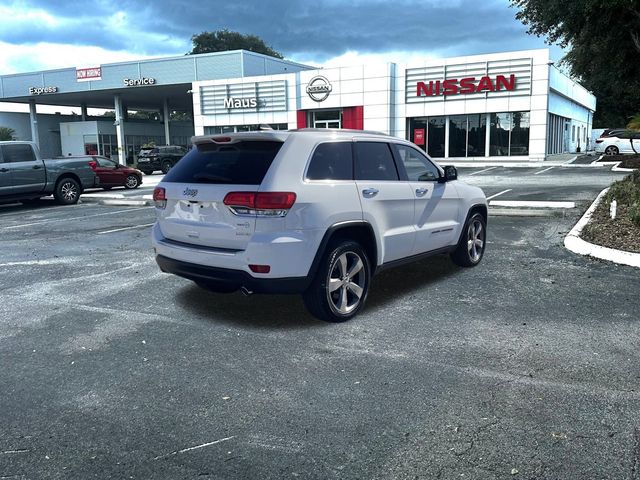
{"type": "Point", "coordinates": [132, 182]}
{"type": "Point", "coordinates": [611, 150]}
{"type": "Point", "coordinates": [217, 287]}
{"type": "Point", "coordinates": [166, 166]}
{"type": "Point", "coordinates": [67, 191]}
{"type": "Point", "coordinates": [342, 263]}
{"type": "Point", "coordinates": [471, 245]}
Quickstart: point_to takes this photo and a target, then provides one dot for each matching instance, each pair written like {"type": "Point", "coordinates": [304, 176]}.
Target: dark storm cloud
{"type": "Point", "coordinates": [319, 29]}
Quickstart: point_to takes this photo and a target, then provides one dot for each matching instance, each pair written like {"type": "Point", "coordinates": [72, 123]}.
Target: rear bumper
{"type": "Point", "coordinates": [233, 279]}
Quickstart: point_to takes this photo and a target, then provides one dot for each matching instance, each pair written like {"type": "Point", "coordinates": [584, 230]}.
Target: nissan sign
{"type": "Point", "coordinates": [319, 88]}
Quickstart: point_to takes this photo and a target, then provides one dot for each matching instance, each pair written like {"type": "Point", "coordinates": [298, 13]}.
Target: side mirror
{"type": "Point", "coordinates": [450, 173]}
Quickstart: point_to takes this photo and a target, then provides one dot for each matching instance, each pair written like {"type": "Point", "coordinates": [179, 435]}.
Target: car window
{"type": "Point", "coordinates": [417, 165]}
{"type": "Point", "coordinates": [105, 162]}
{"type": "Point", "coordinates": [374, 161]}
{"type": "Point", "coordinates": [20, 152]}
{"type": "Point", "coordinates": [331, 161]}
{"type": "Point", "coordinates": [241, 163]}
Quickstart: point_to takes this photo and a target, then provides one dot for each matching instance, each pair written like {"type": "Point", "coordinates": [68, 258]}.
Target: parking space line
{"type": "Point", "coordinates": [480, 171]}
{"type": "Point", "coordinates": [125, 228]}
{"type": "Point", "coordinates": [542, 171]}
{"type": "Point", "coordinates": [498, 194]}
{"type": "Point", "coordinates": [74, 218]}
{"type": "Point", "coordinates": [531, 203]}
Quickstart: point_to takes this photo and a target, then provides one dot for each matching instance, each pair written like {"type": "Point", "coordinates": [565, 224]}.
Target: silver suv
{"type": "Point", "coordinates": [316, 212]}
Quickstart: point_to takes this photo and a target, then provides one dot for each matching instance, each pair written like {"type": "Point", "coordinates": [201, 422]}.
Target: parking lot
{"type": "Point", "coordinates": [524, 367]}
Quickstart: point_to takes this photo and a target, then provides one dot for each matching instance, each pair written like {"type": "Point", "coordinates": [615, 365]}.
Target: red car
{"type": "Point", "coordinates": [112, 174]}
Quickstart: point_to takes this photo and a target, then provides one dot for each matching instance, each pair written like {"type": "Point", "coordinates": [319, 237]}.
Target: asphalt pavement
{"type": "Point", "coordinates": [526, 366]}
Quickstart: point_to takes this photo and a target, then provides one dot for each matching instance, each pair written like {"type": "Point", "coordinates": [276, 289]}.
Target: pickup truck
{"type": "Point", "coordinates": [26, 177]}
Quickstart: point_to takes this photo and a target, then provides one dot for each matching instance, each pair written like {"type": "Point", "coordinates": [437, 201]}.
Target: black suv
{"type": "Point", "coordinates": [159, 158]}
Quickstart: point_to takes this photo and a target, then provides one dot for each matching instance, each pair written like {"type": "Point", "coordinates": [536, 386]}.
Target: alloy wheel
{"type": "Point", "coordinates": [346, 283]}
{"type": "Point", "coordinates": [69, 191]}
{"type": "Point", "coordinates": [132, 181]}
{"type": "Point", "coordinates": [475, 240]}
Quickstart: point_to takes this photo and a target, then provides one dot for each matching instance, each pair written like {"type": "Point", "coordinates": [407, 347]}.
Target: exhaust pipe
{"type": "Point", "coordinates": [245, 291]}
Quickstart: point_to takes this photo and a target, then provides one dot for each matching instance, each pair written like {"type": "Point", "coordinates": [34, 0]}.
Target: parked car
{"type": "Point", "coordinates": [316, 212]}
{"type": "Point", "coordinates": [619, 143]}
{"type": "Point", "coordinates": [160, 158]}
{"type": "Point", "coordinates": [611, 132]}
{"type": "Point", "coordinates": [26, 177]}
{"type": "Point", "coordinates": [112, 174]}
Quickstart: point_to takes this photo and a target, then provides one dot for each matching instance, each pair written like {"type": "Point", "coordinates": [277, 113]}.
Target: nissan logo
{"type": "Point", "coordinates": [319, 88]}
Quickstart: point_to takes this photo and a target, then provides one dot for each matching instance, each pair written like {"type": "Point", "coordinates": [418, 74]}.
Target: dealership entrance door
{"type": "Point", "coordinates": [327, 119]}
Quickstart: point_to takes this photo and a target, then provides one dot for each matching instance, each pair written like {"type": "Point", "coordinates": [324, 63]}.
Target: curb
{"type": "Point", "coordinates": [115, 201]}
{"type": "Point", "coordinates": [575, 244]}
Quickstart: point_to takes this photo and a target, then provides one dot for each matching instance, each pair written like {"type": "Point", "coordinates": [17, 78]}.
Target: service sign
{"type": "Point", "coordinates": [138, 82]}
{"type": "Point", "coordinates": [88, 74]}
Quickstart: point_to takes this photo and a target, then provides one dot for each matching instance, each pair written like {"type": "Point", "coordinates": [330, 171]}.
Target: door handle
{"type": "Point", "coordinates": [4, 170]}
{"type": "Point", "coordinates": [369, 192]}
{"type": "Point", "coordinates": [421, 192]}
{"type": "Point", "coordinates": [37, 167]}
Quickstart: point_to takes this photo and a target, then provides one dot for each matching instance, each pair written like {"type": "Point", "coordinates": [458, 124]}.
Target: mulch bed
{"type": "Point", "coordinates": [628, 161]}
{"type": "Point", "coordinates": [621, 233]}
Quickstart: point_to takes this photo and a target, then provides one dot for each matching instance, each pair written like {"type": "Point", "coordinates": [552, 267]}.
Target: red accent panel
{"type": "Point", "coordinates": [302, 119]}
{"type": "Point", "coordinates": [353, 117]}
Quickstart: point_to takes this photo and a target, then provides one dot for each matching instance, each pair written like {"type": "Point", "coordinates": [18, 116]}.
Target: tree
{"type": "Point", "coordinates": [224, 40]}
{"type": "Point", "coordinates": [603, 42]}
{"type": "Point", "coordinates": [7, 134]}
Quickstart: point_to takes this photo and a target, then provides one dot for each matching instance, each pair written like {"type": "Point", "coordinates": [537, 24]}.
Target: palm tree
{"type": "Point", "coordinates": [634, 124]}
{"type": "Point", "coordinates": [7, 133]}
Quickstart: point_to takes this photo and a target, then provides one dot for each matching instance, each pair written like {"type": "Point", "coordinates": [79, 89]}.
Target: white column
{"type": "Point", "coordinates": [33, 117]}
{"type": "Point", "coordinates": [119, 124]}
{"type": "Point", "coordinates": [165, 116]}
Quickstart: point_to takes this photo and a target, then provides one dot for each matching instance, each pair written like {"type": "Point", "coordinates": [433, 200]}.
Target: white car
{"type": "Point", "coordinates": [311, 211]}
{"type": "Point", "coordinates": [618, 144]}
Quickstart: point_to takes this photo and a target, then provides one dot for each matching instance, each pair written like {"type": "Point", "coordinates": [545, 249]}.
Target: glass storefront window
{"type": "Point", "coordinates": [509, 134]}
{"type": "Point", "coordinates": [458, 136]}
{"type": "Point", "coordinates": [499, 134]}
{"type": "Point", "coordinates": [477, 135]}
{"type": "Point", "coordinates": [520, 134]}
{"type": "Point", "coordinates": [242, 128]}
{"type": "Point", "coordinates": [435, 136]}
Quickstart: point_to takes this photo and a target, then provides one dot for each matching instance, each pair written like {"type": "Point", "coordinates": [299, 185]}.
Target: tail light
{"type": "Point", "coordinates": [160, 198]}
{"type": "Point", "coordinates": [93, 164]}
{"type": "Point", "coordinates": [598, 140]}
{"type": "Point", "coordinates": [261, 204]}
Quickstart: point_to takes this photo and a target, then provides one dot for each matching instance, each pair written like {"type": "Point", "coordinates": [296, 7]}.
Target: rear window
{"type": "Point", "coordinates": [20, 152]}
{"type": "Point", "coordinates": [242, 163]}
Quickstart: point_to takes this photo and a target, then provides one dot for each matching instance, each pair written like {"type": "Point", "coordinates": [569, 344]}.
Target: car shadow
{"type": "Point", "coordinates": [14, 206]}
{"type": "Point", "coordinates": [288, 311]}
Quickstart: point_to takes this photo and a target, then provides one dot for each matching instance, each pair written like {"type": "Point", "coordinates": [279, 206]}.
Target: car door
{"type": "Point", "coordinates": [437, 204]}
{"type": "Point", "coordinates": [108, 172]}
{"type": "Point", "coordinates": [27, 171]}
{"type": "Point", "coordinates": [6, 185]}
{"type": "Point", "coordinates": [387, 202]}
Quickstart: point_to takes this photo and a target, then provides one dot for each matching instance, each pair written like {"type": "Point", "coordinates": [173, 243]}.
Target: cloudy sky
{"type": "Point", "coordinates": [45, 34]}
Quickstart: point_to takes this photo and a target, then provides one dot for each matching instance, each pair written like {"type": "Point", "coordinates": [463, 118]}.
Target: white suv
{"type": "Point", "coordinates": [315, 212]}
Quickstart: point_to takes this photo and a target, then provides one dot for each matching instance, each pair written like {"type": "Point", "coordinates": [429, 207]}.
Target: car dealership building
{"type": "Point", "coordinates": [511, 106]}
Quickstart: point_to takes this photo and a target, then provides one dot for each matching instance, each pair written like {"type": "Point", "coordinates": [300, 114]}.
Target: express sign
{"type": "Point", "coordinates": [453, 86]}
